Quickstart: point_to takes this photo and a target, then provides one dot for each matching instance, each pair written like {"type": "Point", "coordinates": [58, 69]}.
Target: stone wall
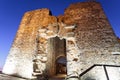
{"type": "Point", "coordinates": [118, 40]}
{"type": "Point", "coordinates": [94, 35]}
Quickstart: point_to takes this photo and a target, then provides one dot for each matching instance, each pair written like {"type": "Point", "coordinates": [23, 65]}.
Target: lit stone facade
{"type": "Point", "coordinates": [88, 40]}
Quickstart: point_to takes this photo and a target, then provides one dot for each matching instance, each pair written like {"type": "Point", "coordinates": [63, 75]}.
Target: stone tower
{"type": "Point", "coordinates": [82, 40]}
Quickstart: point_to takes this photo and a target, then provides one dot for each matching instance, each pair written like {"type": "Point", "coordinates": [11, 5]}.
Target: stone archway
{"type": "Point", "coordinates": [61, 67]}
{"type": "Point", "coordinates": [48, 38]}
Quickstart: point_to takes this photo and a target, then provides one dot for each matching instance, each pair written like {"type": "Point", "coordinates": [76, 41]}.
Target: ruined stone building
{"type": "Point", "coordinates": [80, 44]}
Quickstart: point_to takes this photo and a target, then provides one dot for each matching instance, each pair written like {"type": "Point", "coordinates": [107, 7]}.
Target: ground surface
{"type": "Point", "coordinates": [58, 77]}
{"type": "Point", "coordinates": [7, 77]}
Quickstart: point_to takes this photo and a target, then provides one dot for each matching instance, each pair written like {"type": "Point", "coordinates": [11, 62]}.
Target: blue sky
{"type": "Point", "coordinates": [11, 12]}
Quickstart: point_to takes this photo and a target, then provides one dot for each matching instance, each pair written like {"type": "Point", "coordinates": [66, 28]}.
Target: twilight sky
{"type": "Point", "coordinates": [11, 12]}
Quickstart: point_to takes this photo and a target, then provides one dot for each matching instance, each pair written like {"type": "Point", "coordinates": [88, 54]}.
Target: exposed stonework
{"type": "Point", "coordinates": [88, 36]}
{"type": "Point", "coordinates": [20, 59]}
{"type": "Point", "coordinates": [118, 40]}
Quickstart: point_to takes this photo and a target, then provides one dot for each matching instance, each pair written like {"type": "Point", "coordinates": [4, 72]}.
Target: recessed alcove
{"type": "Point", "coordinates": [56, 54]}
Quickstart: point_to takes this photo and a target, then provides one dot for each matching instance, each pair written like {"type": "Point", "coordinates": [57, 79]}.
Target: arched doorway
{"type": "Point", "coordinates": [61, 65]}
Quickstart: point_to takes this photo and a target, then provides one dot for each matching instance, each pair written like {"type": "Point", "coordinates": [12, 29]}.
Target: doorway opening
{"type": "Point", "coordinates": [56, 64]}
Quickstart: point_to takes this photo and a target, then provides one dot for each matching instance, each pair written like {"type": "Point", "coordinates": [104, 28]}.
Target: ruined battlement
{"type": "Point", "coordinates": [81, 37]}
